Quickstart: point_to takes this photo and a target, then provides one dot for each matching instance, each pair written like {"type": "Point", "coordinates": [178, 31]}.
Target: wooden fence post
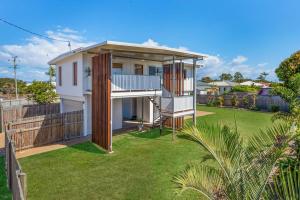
{"type": "Point", "coordinates": [23, 180]}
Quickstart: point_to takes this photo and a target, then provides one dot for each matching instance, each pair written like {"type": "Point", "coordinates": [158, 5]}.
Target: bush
{"type": "Point", "coordinates": [235, 101]}
{"type": "Point", "coordinates": [221, 101]}
{"type": "Point", "coordinates": [245, 88]}
{"type": "Point", "coordinates": [41, 92]}
{"type": "Point", "coordinates": [274, 108]}
{"type": "Point", "coordinates": [212, 102]}
{"type": "Point", "coordinates": [246, 101]}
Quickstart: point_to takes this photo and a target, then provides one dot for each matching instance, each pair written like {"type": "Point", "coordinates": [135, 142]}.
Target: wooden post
{"type": "Point", "coordinates": [23, 180]}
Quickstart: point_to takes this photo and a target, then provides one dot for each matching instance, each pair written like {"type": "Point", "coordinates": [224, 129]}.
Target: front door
{"type": "Point", "coordinates": [139, 69]}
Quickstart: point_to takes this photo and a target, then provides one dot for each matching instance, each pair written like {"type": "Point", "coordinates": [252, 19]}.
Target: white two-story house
{"type": "Point", "coordinates": [115, 83]}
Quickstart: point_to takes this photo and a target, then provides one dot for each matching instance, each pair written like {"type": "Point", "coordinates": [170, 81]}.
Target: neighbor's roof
{"type": "Point", "coordinates": [250, 83]}
{"type": "Point", "coordinates": [130, 48]}
{"type": "Point", "coordinates": [223, 83]}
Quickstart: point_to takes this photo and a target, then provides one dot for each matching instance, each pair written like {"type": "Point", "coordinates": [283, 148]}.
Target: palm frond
{"type": "Point", "coordinates": [286, 185]}
{"type": "Point", "coordinates": [220, 143]}
{"type": "Point", "coordinates": [204, 179]}
{"type": "Point", "coordinates": [264, 152]}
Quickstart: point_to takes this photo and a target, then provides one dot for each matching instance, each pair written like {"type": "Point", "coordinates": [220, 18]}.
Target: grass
{"type": "Point", "coordinates": [4, 192]}
{"type": "Point", "coordinates": [142, 166]}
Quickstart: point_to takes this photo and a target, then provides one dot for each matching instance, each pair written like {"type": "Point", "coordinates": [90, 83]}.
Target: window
{"type": "Point", "coordinates": [117, 68]}
{"type": "Point", "coordinates": [75, 73]}
{"type": "Point", "coordinates": [59, 76]}
{"type": "Point", "coordinates": [139, 69]}
{"type": "Point", "coordinates": [155, 71]}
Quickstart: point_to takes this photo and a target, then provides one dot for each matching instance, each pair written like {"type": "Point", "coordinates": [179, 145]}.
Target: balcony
{"type": "Point", "coordinates": [135, 83]}
{"type": "Point", "coordinates": [173, 105]}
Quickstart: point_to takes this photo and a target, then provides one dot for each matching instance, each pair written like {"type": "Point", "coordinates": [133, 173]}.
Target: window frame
{"type": "Point", "coordinates": [75, 73]}
{"type": "Point", "coordinates": [59, 75]}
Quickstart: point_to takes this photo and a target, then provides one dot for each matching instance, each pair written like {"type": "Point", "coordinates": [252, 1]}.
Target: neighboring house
{"type": "Point", "coordinates": [223, 86]}
{"type": "Point", "coordinates": [115, 81]}
{"type": "Point", "coordinates": [203, 88]}
{"type": "Point", "coordinates": [252, 83]}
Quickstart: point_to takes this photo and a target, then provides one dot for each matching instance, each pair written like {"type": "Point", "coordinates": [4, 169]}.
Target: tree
{"type": "Point", "coordinates": [289, 72]}
{"type": "Point", "coordinates": [41, 92]}
{"type": "Point", "coordinates": [225, 77]}
{"type": "Point", "coordinates": [206, 79]}
{"type": "Point", "coordinates": [289, 67]}
{"type": "Point", "coordinates": [241, 171]}
{"type": "Point", "coordinates": [51, 73]}
{"type": "Point", "coordinates": [7, 86]}
{"type": "Point", "coordinates": [238, 77]}
{"type": "Point", "coordinates": [262, 77]}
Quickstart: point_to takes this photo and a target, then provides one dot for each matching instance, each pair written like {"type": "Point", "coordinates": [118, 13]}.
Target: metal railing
{"type": "Point", "coordinates": [135, 82]}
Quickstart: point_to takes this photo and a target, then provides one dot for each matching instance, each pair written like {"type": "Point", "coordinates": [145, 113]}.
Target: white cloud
{"type": "Point", "coordinates": [239, 60]}
{"type": "Point", "coordinates": [34, 54]}
{"type": "Point", "coordinates": [152, 43]}
{"type": "Point", "coordinates": [216, 65]}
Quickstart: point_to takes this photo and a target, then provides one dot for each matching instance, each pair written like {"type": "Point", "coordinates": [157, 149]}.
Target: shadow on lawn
{"type": "Point", "coordinates": [88, 147]}
{"type": "Point", "coordinates": [151, 133]}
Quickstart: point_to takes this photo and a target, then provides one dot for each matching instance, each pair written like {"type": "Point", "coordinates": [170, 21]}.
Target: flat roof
{"type": "Point", "coordinates": [159, 53]}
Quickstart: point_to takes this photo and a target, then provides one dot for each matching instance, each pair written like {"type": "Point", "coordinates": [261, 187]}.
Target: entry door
{"type": "Point", "coordinates": [139, 69]}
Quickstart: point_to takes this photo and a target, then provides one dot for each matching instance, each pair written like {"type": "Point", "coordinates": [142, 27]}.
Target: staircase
{"type": "Point", "coordinates": [156, 111]}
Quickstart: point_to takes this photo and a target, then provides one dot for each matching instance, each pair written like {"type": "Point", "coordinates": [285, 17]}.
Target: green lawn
{"type": "Point", "coordinates": [4, 192]}
{"type": "Point", "coordinates": [142, 166]}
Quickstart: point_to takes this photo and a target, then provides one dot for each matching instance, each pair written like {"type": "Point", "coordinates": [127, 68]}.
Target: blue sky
{"type": "Point", "coordinates": [247, 36]}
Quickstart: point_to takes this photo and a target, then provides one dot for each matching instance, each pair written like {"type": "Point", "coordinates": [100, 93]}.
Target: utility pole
{"type": "Point", "coordinates": [14, 63]}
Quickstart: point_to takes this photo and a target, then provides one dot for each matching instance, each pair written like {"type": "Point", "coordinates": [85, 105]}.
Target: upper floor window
{"type": "Point", "coordinates": [117, 68]}
{"type": "Point", "coordinates": [139, 69]}
{"type": "Point", "coordinates": [59, 76]}
{"type": "Point", "coordinates": [155, 71]}
{"type": "Point", "coordinates": [75, 73]}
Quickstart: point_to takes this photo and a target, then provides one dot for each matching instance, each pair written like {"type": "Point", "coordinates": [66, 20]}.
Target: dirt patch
{"type": "Point", "coordinates": [37, 150]}
{"type": "Point", "coordinates": [200, 114]}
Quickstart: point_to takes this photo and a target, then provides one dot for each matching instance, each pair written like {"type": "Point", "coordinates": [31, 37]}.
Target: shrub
{"type": "Point", "coordinates": [221, 101]}
{"type": "Point", "coordinates": [246, 101]}
{"type": "Point", "coordinates": [245, 88]}
{"type": "Point", "coordinates": [235, 101]}
{"type": "Point", "coordinates": [275, 108]}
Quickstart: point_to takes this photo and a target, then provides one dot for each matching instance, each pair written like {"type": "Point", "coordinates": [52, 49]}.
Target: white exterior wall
{"type": "Point", "coordinates": [148, 110]}
{"type": "Point", "coordinates": [117, 114]}
{"type": "Point", "coordinates": [67, 88]}
{"type": "Point", "coordinates": [129, 65]}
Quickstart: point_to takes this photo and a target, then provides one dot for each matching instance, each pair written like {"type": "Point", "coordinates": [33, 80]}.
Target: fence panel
{"type": "Point", "coordinates": [17, 181]}
{"type": "Point", "coordinates": [263, 102]}
{"type": "Point", "coordinates": [24, 111]}
{"type": "Point", "coordinates": [47, 129]}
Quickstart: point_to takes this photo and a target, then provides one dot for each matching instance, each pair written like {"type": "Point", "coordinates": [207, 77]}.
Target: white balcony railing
{"type": "Point", "coordinates": [135, 82]}
{"type": "Point", "coordinates": [176, 104]}
{"type": "Point", "coordinates": [188, 84]}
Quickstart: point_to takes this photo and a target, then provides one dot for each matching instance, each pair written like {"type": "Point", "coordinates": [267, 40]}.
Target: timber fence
{"type": "Point", "coordinates": [47, 129]}
{"type": "Point", "coordinates": [12, 113]}
{"type": "Point", "coordinates": [16, 178]}
{"type": "Point", "coordinates": [245, 100]}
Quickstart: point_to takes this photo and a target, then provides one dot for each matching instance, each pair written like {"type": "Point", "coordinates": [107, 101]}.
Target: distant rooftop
{"type": "Point", "coordinates": [224, 83]}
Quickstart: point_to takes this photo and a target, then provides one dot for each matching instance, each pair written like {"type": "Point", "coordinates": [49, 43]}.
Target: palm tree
{"type": "Point", "coordinates": [51, 73]}
{"type": "Point", "coordinates": [286, 185]}
{"type": "Point", "coordinates": [242, 170]}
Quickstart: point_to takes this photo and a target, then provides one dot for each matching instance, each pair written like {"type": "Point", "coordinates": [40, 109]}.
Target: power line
{"type": "Point", "coordinates": [37, 34]}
